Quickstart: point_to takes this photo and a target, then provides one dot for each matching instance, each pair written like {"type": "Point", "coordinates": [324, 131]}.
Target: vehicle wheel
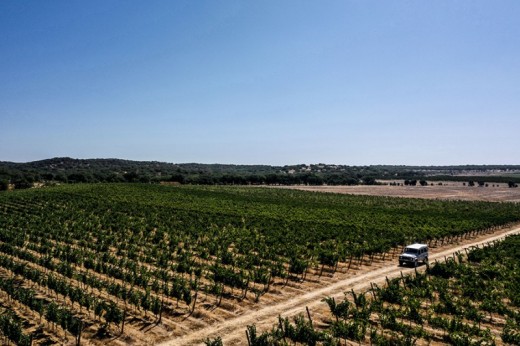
{"type": "Point", "coordinates": [415, 263]}
{"type": "Point", "coordinates": [426, 260]}
{"type": "Point", "coordinates": [401, 264]}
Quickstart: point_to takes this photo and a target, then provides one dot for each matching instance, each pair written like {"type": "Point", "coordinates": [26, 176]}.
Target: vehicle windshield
{"type": "Point", "coordinates": [408, 250]}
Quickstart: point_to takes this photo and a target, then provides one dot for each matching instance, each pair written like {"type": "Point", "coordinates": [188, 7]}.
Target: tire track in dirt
{"type": "Point", "coordinates": [232, 331]}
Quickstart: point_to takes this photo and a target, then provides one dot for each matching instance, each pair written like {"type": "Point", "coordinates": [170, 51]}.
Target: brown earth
{"type": "Point", "coordinates": [448, 190]}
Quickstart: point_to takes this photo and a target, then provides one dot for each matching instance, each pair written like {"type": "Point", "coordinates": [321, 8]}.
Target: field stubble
{"type": "Point", "coordinates": [446, 191]}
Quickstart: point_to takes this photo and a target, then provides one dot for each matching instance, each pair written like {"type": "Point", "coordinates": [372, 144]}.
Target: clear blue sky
{"type": "Point", "coordinates": [261, 82]}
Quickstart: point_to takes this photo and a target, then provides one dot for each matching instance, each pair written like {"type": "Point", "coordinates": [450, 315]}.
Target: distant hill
{"type": "Point", "coordinates": [70, 170]}
{"type": "Point", "coordinates": [58, 164]}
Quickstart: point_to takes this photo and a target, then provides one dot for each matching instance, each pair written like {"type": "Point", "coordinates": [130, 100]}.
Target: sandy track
{"type": "Point", "coordinates": [232, 330]}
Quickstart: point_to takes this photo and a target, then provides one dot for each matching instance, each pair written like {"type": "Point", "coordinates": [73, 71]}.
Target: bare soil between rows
{"type": "Point", "coordinates": [310, 294]}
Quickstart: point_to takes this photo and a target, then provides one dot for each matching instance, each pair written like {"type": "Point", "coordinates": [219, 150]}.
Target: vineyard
{"type": "Point", "coordinates": [136, 263]}
{"type": "Point", "coordinates": [471, 299]}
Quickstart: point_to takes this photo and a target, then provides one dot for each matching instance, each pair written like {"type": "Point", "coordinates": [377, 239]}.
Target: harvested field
{"type": "Point", "coordinates": [447, 191]}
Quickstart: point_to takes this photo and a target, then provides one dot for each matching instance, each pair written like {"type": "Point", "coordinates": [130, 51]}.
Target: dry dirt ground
{"type": "Point", "coordinates": [265, 314]}
{"type": "Point", "coordinates": [448, 190]}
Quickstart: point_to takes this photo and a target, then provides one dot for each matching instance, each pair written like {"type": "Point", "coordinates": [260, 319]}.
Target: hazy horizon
{"type": "Point", "coordinates": [276, 83]}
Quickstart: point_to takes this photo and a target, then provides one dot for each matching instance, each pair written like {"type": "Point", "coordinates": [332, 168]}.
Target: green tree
{"type": "Point", "coordinates": [4, 185]}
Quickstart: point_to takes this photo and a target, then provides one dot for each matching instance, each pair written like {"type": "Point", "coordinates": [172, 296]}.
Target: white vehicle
{"type": "Point", "coordinates": [413, 254]}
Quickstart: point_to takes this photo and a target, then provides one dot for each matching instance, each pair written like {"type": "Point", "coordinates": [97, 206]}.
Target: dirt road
{"type": "Point", "coordinates": [232, 331]}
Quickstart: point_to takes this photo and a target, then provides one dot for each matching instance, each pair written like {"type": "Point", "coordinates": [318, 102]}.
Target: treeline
{"type": "Point", "coordinates": [274, 179]}
{"type": "Point", "coordinates": [488, 179]}
{"type": "Point", "coordinates": [27, 180]}
{"type": "Point", "coordinates": [68, 170]}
